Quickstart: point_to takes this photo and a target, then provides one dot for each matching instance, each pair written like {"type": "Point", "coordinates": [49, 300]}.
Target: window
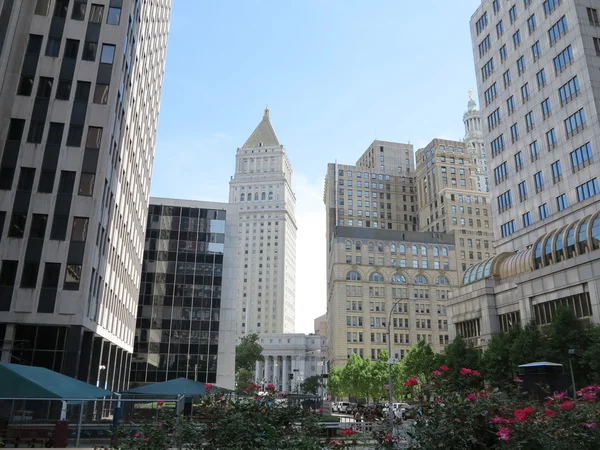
{"type": "Point", "coordinates": [512, 13]}
{"type": "Point", "coordinates": [525, 92]}
{"type": "Point", "coordinates": [60, 8]}
{"type": "Point", "coordinates": [30, 274]}
{"type": "Point", "coordinates": [546, 108]}
{"type": "Point", "coordinates": [80, 228]}
{"type": "Point", "coordinates": [490, 94]}
{"type": "Point", "coordinates": [550, 6]}
{"type": "Point", "coordinates": [523, 191]}
{"type": "Point", "coordinates": [531, 23]}
{"type": "Point", "coordinates": [38, 226]}
{"type": "Point", "coordinates": [36, 131]}
{"type": "Point", "coordinates": [563, 59]}
{"type": "Point", "coordinates": [114, 16]}
{"type": "Point", "coordinates": [514, 132]}
{"type": "Point", "coordinates": [96, 13]}
{"type": "Point", "coordinates": [527, 219]}
{"type": "Point", "coordinates": [521, 65]}
{"type": "Point", "coordinates": [74, 136]}
{"type": "Point", "coordinates": [557, 30]}
{"type": "Point", "coordinates": [530, 121]}
{"type": "Point", "coordinates": [421, 279]}
{"type": "Point", "coordinates": [541, 79]}
{"type": "Point", "coordinates": [89, 51]}
{"type": "Point", "coordinates": [561, 202]}
{"type": "Point", "coordinates": [108, 54]}
{"type": "Point", "coordinates": [536, 50]}
{"type": "Point", "coordinates": [539, 181]}
{"type": "Point", "coordinates": [487, 69]}
{"type": "Point", "coordinates": [503, 53]}
{"type": "Point", "coordinates": [484, 46]}
{"type": "Point", "coordinates": [569, 90]}
{"type": "Point", "coordinates": [508, 228]}
{"type": "Point", "coordinates": [71, 48]}
{"type": "Point", "coordinates": [497, 145]}
{"type": "Point", "coordinates": [376, 277]}
{"type": "Point", "coordinates": [593, 17]}
{"type": "Point", "coordinates": [44, 89]}
{"type": "Point", "coordinates": [82, 91]}
{"type": "Point", "coordinates": [518, 161]}
{"type": "Point", "coordinates": [499, 29]}
{"type": "Point", "coordinates": [506, 78]}
{"type": "Point", "coordinates": [63, 90]}
{"type": "Point", "coordinates": [42, 7]}
{"type": "Point", "coordinates": [556, 171]}
{"type": "Point", "coordinates": [510, 104]}
{"type": "Point", "coordinates": [353, 276]}
{"type": "Point", "coordinates": [16, 228]}
{"type": "Point", "coordinates": [442, 281]}
{"type": "Point", "coordinates": [481, 23]}
{"type": "Point", "coordinates": [78, 10]}
{"type": "Point", "coordinates": [398, 278]}
{"type": "Point", "coordinates": [501, 173]}
{"type": "Point", "coordinates": [496, 6]}
{"type": "Point", "coordinates": [517, 38]}
{"type": "Point", "coordinates": [551, 139]}
{"type": "Point", "coordinates": [53, 47]}
{"type": "Point", "coordinates": [587, 190]}
{"type": "Point", "coordinates": [575, 123]}
{"type": "Point", "coordinates": [25, 86]}
{"type": "Point", "coordinates": [494, 119]}
{"type": "Point", "coordinates": [72, 277]}
{"type": "Point", "coordinates": [581, 157]}
{"type": "Point", "coordinates": [543, 209]}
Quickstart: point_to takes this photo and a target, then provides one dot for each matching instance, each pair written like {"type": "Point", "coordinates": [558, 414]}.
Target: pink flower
{"type": "Point", "coordinates": [498, 419]}
{"type": "Point", "coordinates": [257, 397]}
{"type": "Point", "coordinates": [436, 372]}
{"type": "Point", "coordinates": [471, 397]}
{"type": "Point", "coordinates": [321, 410]}
{"type": "Point", "coordinates": [146, 439]}
{"type": "Point", "coordinates": [347, 432]}
{"type": "Point", "coordinates": [590, 425]}
{"type": "Point", "coordinates": [412, 381]}
{"type": "Point", "coordinates": [517, 380]}
{"type": "Point", "coordinates": [589, 397]}
{"type": "Point", "coordinates": [136, 435]}
{"type": "Point", "coordinates": [483, 395]}
{"type": "Point", "coordinates": [160, 403]}
{"type": "Point", "coordinates": [270, 387]}
{"type": "Point", "coordinates": [476, 373]}
{"type": "Point", "coordinates": [504, 433]}
{"type": "Point", "coordinates": [550, 413]}
{"type": "Point", "coordinates": [208, 387]}
{"type": "Point", "coordinates": [565, 406]}
{"type": "Point", "coordinates": [520, 415]}
{"type": "Point", "coordinates": [528, 410]}
{"type": "Point", "coordinates": [559, 396]}
{"type": "Point", "coordinates": [464, 371]}
{"type": "Point", "coordinates": [444, 368]}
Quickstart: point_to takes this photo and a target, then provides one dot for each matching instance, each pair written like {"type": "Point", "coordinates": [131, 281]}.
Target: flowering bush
{"type": "Point", "coordinates": [465, 414]}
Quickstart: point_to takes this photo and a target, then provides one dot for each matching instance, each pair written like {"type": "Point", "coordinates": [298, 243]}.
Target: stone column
{"type": "Point", "coordinates": [257, 372]}
{"type": "Point", "coordinates": [284, 382]}
{"type": "Point", "coordinates": [267, 367]}
{"type": "Point", "coordinates": [275, 370]}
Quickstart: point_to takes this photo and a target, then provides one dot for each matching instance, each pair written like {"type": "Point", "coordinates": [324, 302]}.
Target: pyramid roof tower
{"type": "Point", "coordinates": [263, 135]}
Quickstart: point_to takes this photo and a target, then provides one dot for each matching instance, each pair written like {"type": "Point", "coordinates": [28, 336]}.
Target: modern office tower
{"type": "Point", "coordinates": [537, 65]}
{"type": "Point", "coordinates": [262, 188]}
{"type": "Point", "coordinates": [187, 308]}
{"type": "Point", "coordinates": [80, 88]}
{"type": "Point", "coordinates": [375, 275]}
{"type": "Point", "coordinates": [474, 143]}
{"type": "Point", "coordinates": [290, 359]}
{"type": "Point", "coordinates": [449, 201]}
{"type": "Point", "coordinates": [537, 71]}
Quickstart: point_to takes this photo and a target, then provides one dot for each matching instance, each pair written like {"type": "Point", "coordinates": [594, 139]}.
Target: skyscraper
{"type": "Point", "coordinates": [474, 143]}
{"type": "Point", "coordinates": [536, 65]}
{"type": "Point", "coordinates": [262, 188]}
{"type": "Point", "coordinates": [80, 89]}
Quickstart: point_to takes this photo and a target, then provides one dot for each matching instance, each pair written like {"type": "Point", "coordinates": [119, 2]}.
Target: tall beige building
{"type": "Point", "coordinates": [80, 90]}
{"type": "Point", "coordinates": [262, 189]}
{"type": "Point", "coordinates": [449, 200]}
{"type": "Point", "coordinates": [474, 144]}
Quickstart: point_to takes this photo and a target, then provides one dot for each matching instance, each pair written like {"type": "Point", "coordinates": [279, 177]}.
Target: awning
{"type": "Point", "coordinates": [178, 386]}
{"type": "Point", "coordinates": [20, 381]}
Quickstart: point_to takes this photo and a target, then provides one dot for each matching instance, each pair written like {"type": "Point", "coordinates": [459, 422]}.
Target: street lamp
{"type": "Point", "coordinates": [574, 353]}
{"type": "Point", "coordinates": [392, 361]}
{"type": "Point", "coordinates": [297, 369]}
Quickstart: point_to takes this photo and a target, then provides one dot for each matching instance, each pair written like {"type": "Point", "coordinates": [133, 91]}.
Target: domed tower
{"type": "Point", "coordinates": [474, 142]}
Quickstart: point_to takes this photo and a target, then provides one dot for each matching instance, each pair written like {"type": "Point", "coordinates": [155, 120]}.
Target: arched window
{"type": "Point", "coordinates": [570, 242]}
{"type": "Point", "coordinates": [398, 278]}
{"type": "Point", "coordinates": [348, 245]}
{"type": "Point", "coordinates": [548, 251]}
{"type": "Point", "coordinates": [256, 196]}
{"type": "Point", "coordinates": [353, 276]}
{"type": "Point", "coordinates": [596, 233]}
{"type": "Point", "coordinates": [263, 196]}
{"type": "Point", "coordinates": [583, 247]}
{"type": "Point", "coordinates": [402, 249]}
{"type": "Point", "coordinates": [538, 255]}
{"type": "Point", "coordinates": [380, 246]}
{"type": "Point", "coordinates": [466, 276]}
{"type": "Point", "coordinates": [488, 268]}
{"type": "Point", "coordinates": [243, 198]}
{"type": "Point", "coordinates": [443, 281]}
{"type": "Point", "coordinates": [436, 251]}
{"type": "Point", "coordinates": [371, 247]}
{"type": "Point", "coordinates": [444, 251]}
{"type": "Point", "coordinates": [415, 250]}
{"type": "Point", "coordinates": [249, 196]}
{"type": "Point", "coordinates": [560, 254]}
{"type": "Point", "coordinates": [270, 196]}
{"type": "Point", "coordinates": [376, 277]}
{"type": "Point", "coordinates": [421, 279]}
{"type": "Point", "coordinates": [358, 246]}
{"type": "Point", "coordinates": [393, 248]}
{"type": "Point", "coordinates": [423, 250]}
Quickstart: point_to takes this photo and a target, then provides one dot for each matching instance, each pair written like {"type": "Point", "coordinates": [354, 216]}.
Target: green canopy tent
{"type": "Point", "coordinates": [177, 387]}
{"type": "Point", "coordinates": [22, 382]}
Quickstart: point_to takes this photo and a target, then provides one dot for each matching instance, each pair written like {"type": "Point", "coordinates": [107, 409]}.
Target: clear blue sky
{"type": "Point", "coordinates": [336, 74]}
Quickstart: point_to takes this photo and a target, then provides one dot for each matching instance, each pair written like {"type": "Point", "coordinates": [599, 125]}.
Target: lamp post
{"type": "Point", "coordinates": [574, 353]}
{"type": "Point", "coordinates": [391, 361]}
{"type": "Point", "coordinates": [318, 350]}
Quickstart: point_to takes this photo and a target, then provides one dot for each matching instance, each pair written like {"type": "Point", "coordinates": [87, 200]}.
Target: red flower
{"type": "Point", "coordinates": [436, 372]}
{"type": "Point", "coordinates": [160, 403]}
{"type": "Point", "coordinates": [565, 406]}
{"type": "Point", "coordinates": [219, 398]}
{"type": "Point", "coordinates": [412, 381]}
{"type": "Point", "coordinates": [549, 402]}
{"type": "Point", "coordinates": [321, 410]}
{"type": "Point", "coordinates": [476, 373]}
{"type": "Point", "coordinates": [146, 439]}
{"type": "Point", "coordinates": [136, 435]}
{"type": "Point", "coordinates": [464, 371]}
{"type": "Point", "coordinates": [589, 397]}
{"type": "Point", "coordinates": [528, 410]}
{"type": "Point", "coordinates": [444, 368]}
{"type": "Point", "coordinates": [499, 419]}
{"type": "Point", "coordinates": [504, 434]}
{"type": "Point", "coordinates": [270, 387]}
{"type": "Point", "coordinates": [257, 397]}
{"type": "Point", "coordinates": [471, 397]}
{"type": "Point", "coordinates": [550, 413]}
{"type": "Point", "coordinates": [520, 415]}
{"type": "Point", "coordinates": [347, 432]}
{"type": "Point", "coordinates": [590, 425]}
{"type": "Point", "coordinates": [208, 387]}
{"type": "Point", "coordinates": [483, 395]}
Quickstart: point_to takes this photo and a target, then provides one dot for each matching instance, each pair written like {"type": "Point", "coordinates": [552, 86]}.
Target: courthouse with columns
{"type": "Point", "coordinates": [303, 355]}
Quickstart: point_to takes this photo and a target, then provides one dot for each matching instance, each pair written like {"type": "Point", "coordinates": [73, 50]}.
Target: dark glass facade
{"type": "Point", "coordinates": [177, 332]}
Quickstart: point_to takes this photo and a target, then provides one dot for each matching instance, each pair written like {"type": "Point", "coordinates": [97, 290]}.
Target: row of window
{"type": "Point", "coordinates": [400, 248]}
{"type": "Point", "coordinates": [61, 9]}
{"type": "Point", "coordinates": [394, 262]}
{"type": "Point", "coordinates": [397, 278]}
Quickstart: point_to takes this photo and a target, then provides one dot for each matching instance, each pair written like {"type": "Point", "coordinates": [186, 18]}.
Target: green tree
{"type": "Point", "coordinates": [312, 385]}
{"type": "Point", "coordinates": [459, 354]}
{"type": "Point", "coordinates": [334, 383]}
{"type": "Point", "coordinates": [420, 361]}
{"type": "Point", "coordinates": [355, 378]}
{"type": "Point", "coordinates": [247, 352]}
{"type": "Point", "coordinates": [243, 379]}
{"type": "Point", "coordinates": [529, 345]}
{"type": "Point", "coordinates": [378, 375]}
{"type": "Point", "coordinates": [496, 362]}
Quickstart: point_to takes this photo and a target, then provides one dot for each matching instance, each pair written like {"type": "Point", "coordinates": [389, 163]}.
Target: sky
{"type": "Point", "coordinates": [335, 74]}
